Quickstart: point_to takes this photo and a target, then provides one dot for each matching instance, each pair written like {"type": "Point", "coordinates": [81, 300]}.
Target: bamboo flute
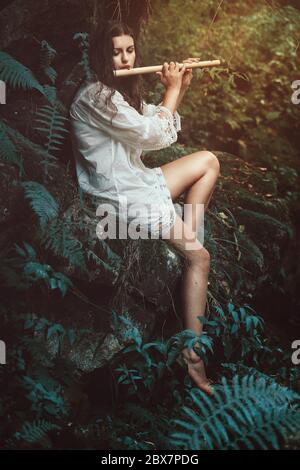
{"type": "Point", "coordinates": [158, 68]}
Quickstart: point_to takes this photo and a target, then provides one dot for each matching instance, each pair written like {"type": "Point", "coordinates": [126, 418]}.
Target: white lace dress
{"type": "Point", "coordinates": [107, 157]}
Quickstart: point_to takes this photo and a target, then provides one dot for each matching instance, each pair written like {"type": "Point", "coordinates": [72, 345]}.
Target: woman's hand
{"type": "Point", "coordinates": [187, 74]}
{"type": "Point", "coordinates": [171, 76]}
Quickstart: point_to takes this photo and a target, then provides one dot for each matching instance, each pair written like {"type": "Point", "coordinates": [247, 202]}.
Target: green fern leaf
{"type": "Point", "coordinates": [16, 74]}
{"type": "Point", "coordinates": [47, 56]}
{"type": "Point", "coordinates": [8, 151]}
{"type": "Point", "coordinates": [251, 412]}
{"type": "Point", "coordinates": [41, 201]}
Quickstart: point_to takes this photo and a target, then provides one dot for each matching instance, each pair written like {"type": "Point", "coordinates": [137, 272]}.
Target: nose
{"type": "Point", "coordinates": [125, 58]}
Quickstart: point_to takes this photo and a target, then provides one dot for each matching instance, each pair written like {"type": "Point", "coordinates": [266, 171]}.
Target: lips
{"type": "Point", "coordinates": [127, 67]}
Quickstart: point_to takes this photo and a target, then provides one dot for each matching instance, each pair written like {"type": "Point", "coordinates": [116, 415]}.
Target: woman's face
{"type": "Point", "coordinates": [123, 52]}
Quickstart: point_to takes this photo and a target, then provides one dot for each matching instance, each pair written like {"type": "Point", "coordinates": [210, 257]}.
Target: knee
{"type": "Point", "coordinates": [200, 258]}
{"type": "Point", "coordinates": [212, 161]}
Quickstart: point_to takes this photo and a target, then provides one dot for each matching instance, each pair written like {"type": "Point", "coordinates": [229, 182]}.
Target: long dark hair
{"type": "Point", "coordinates": [101, 63]}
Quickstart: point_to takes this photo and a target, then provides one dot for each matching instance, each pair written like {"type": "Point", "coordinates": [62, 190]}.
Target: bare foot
{"type": "Point", "coordinates": [196, 371]}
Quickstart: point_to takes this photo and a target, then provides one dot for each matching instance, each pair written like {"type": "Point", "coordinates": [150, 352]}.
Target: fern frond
{"type": "Point", "coordinates": [16, 74]}
{"type": "Point", "coordinates": [20, 141]}
{"type": "Point", "coordinates": [8, 151]}
{"type": "Point", "coordinates": [36, 432]}
{"type": "Point", "coordinates": [99, 261]}
{"type": "Point", "coordinates": [50, 92]}
{"type": "Point", "coordinates": [47, 56]}
{"type": "Point", "coordinates": [41, 201]}
{"type": "Point", "coordinates": [61, 241]}
{"type": "Point", "coordinates": [54, 128]}
{"type": "Point", "coordinates": [249, 413]}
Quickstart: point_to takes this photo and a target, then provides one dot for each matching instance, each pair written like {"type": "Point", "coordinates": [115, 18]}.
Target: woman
{"type": "Point", "coordinates": [112, 125]}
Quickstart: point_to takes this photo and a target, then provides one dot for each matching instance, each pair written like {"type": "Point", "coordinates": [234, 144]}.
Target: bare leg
{"type": "Point", "coordinates": [195, 278]}
{"type": "Point", "coordinates": [194, 288]}
{"type": "Point", "coordinates": [194, 285]}
{"type": "Point", "coordinates": [200, 193]}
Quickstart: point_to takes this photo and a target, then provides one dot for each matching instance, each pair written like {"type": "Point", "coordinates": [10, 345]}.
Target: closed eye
{"type": "Point", "coordinates": [116, 51]}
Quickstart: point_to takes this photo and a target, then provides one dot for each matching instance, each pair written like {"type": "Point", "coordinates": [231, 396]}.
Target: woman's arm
{"type": "Point", "coordinates": [180, 96]}
{"type": "Point", "coordinates": [171, 98]}
{"type": "Point", "coordinates": [126, 125]}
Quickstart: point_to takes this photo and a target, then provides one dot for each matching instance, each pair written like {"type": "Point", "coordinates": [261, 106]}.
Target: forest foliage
{"type": "Point", "coordinates": [242, 110]}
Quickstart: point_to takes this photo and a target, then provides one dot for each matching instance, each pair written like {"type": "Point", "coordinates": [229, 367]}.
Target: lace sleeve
{"type": "Point", "coordinates": [150, 109]}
